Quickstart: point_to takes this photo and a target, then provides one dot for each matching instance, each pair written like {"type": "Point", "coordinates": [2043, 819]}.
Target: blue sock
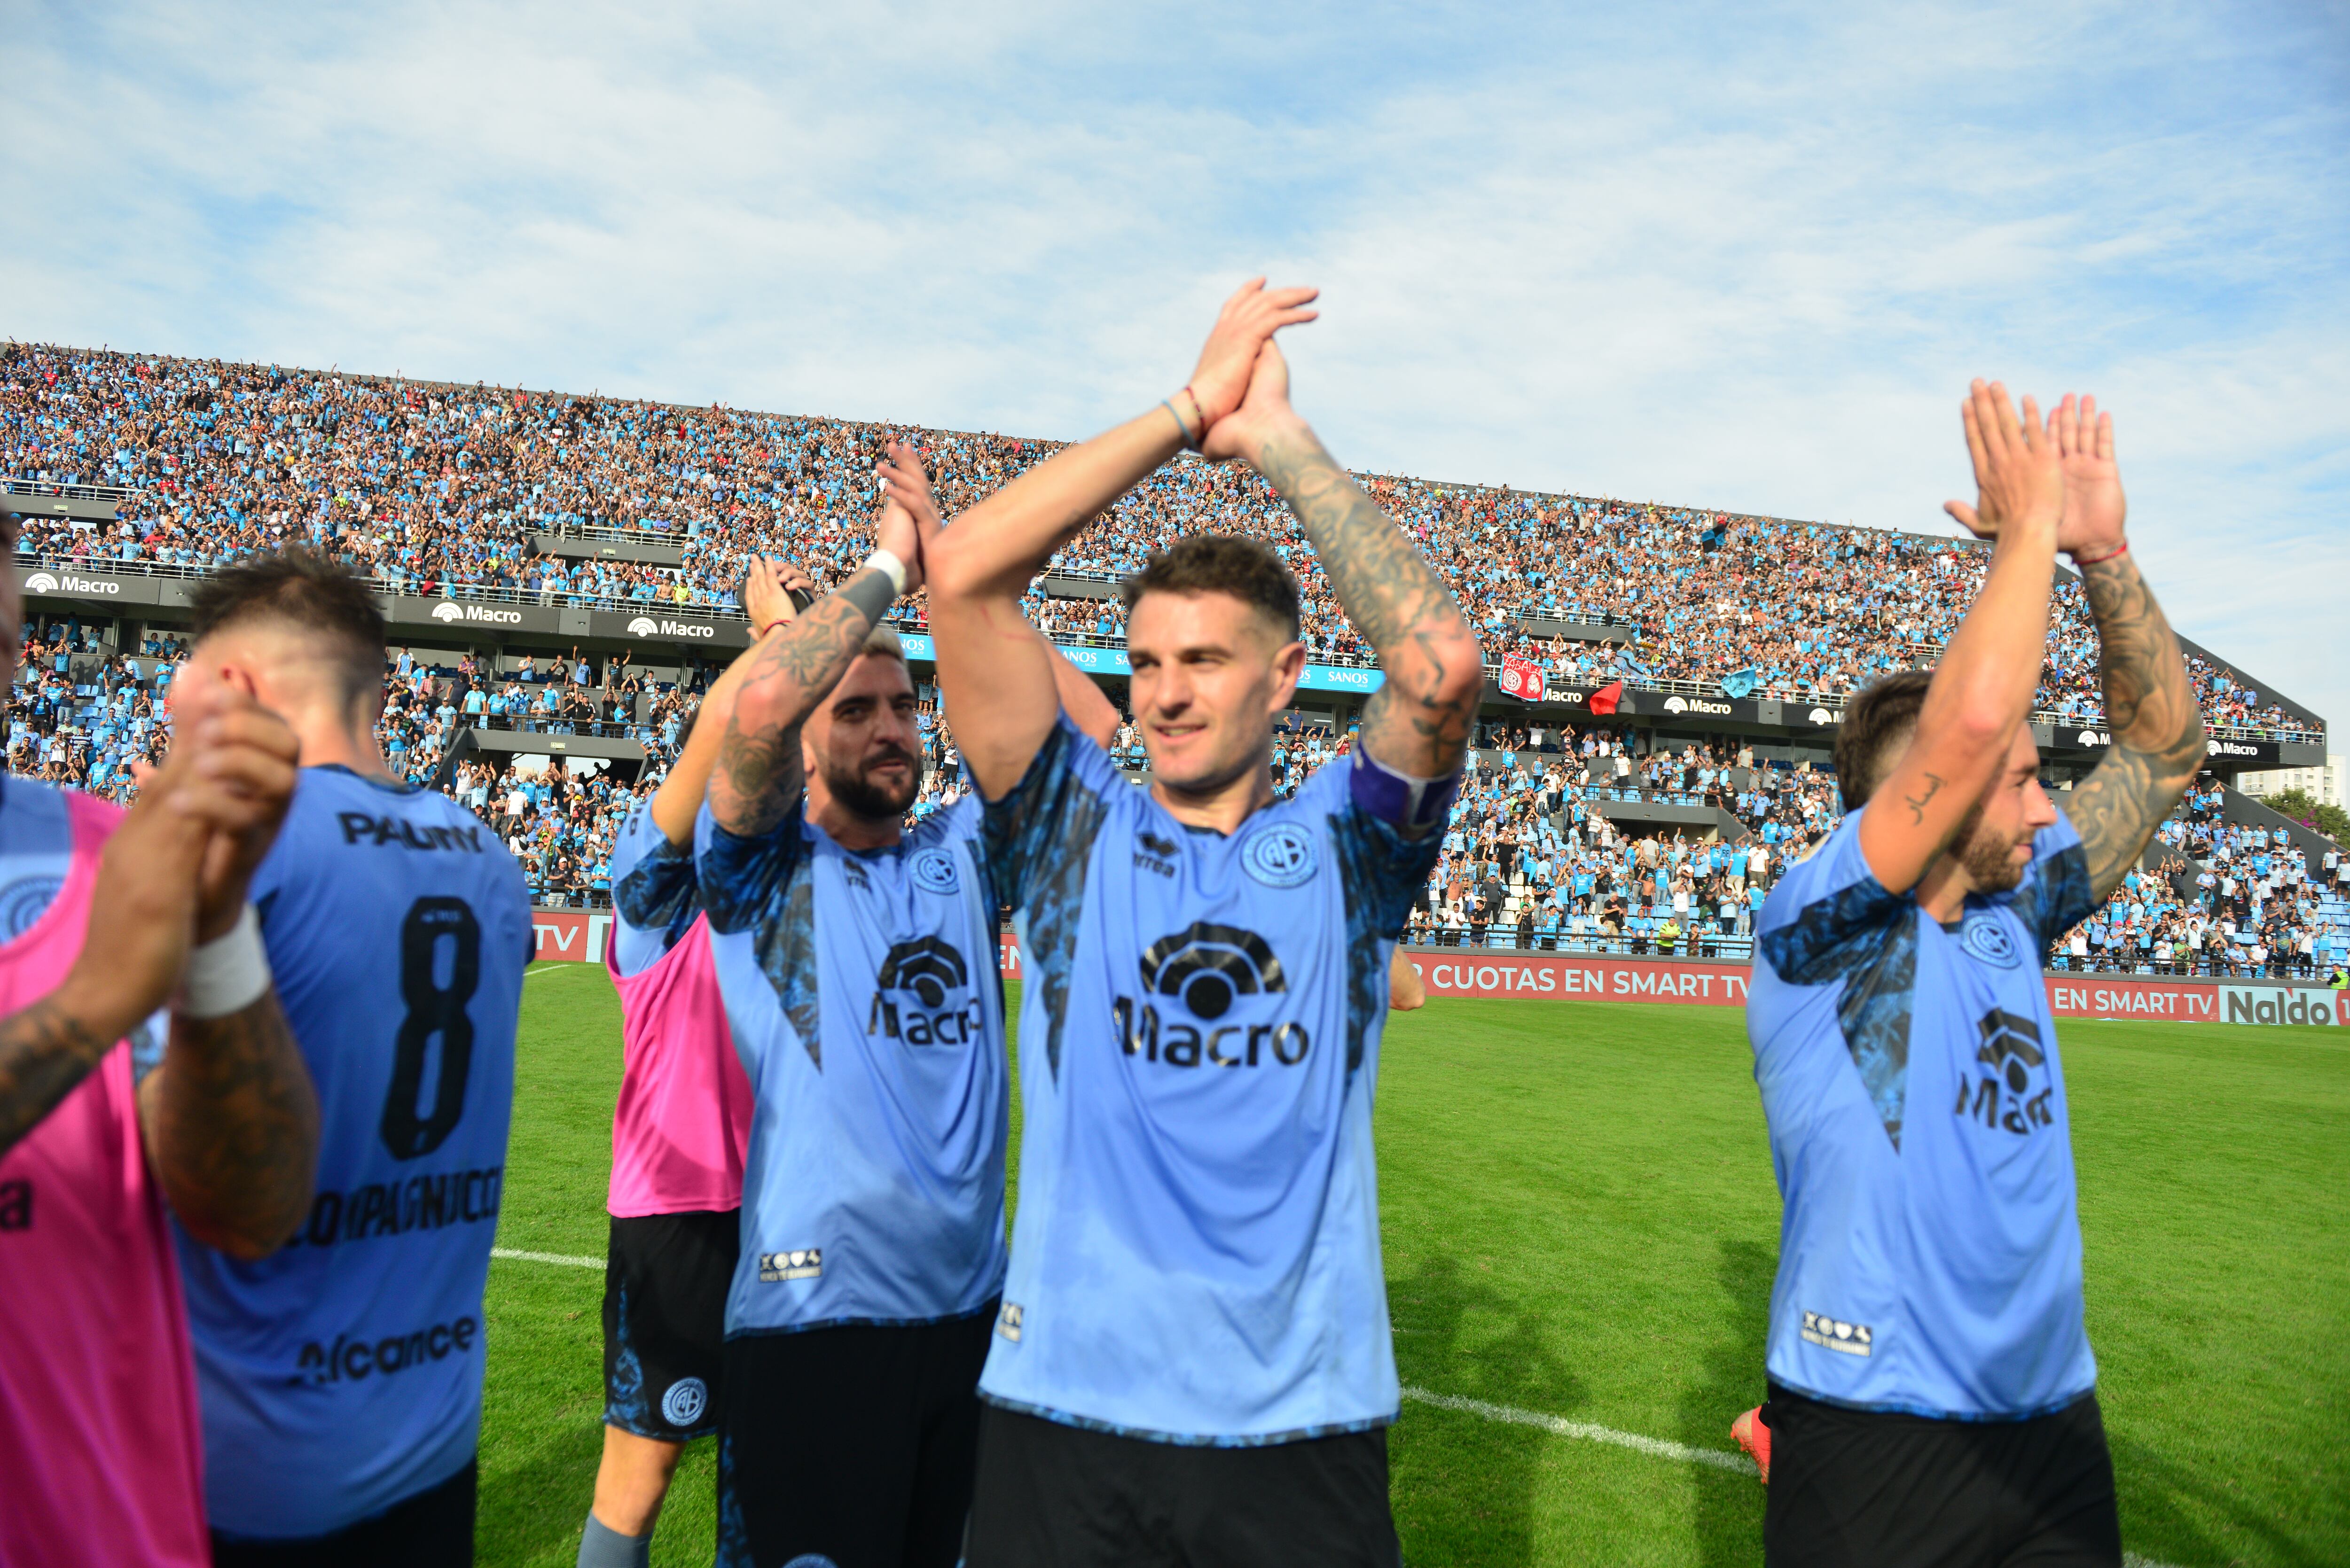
{"type": "Point", "coordinates": [601, 1546]}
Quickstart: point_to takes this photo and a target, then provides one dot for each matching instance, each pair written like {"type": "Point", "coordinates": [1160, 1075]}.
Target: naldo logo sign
{"type": "Point", "coordinates": [646, 626]}
{"type": "Point", "coordinates": [2251, 1004]}
{"type": "Point", "coordinates": [448, 612]}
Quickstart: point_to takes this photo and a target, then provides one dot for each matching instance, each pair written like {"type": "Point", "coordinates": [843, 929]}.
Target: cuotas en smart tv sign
{"type": "Point", "coordinates": [1573, 977]}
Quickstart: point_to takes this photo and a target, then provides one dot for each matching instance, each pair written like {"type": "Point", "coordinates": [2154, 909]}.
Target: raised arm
{"type": "Point", "coordinates": [767, 596]}
{"type": "Point", "coordinates": [757, 773]}
{"type": "Point", "coordinates": [1983, 688]}
{"type": "Point", "coordinates": [995, 671]}
{"type": "Point", "coordinates": [1418, 721]}
{"type": "Point", "coordinates": [229, 1117]}
{"type": "Point", "coordinates": [2157, 727]}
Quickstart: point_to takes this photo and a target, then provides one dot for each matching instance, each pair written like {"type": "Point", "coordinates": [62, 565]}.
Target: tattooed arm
{"type": "Point", "coordinates": [1982, 690]}
{"type": "Point", "coordinates": [230, 1115]}
{"type": "Point", "coordinates": [1418, 721]}
{"type": "Point", "coordinates": [767, 595]}
{"type": "Point", "coordinates": [759, 770]}
{"type": "Point", "coordinates": [46, 1049]}
{"type": "Point", "coordinates": [231, 1126]}
{"type": "Point", "coordinates": [996, 673]}
{"type": "Point", "coordinates": [2157, 727]}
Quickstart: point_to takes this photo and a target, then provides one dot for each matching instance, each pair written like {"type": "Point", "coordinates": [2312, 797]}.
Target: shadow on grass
{"type": "Point", "coordinates": [1464, 1486]}
{"type": "Point", "coordinates": [2173, 1513]}
{"type": "Point", "coordinates": [1730, 1378]}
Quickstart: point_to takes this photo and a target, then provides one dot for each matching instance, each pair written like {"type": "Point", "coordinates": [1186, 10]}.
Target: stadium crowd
{"type": "Point", "coordinates": [438, 489]}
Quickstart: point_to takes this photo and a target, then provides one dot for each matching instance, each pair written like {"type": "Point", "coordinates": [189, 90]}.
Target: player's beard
{"type": "Point", "coordinates": [1989, 857]}
{"type": "Point", "coordinates": [862, 797]}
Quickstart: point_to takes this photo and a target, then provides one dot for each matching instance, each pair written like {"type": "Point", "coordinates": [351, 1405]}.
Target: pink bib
{"type": "Point", "coordinates": [683, 1118]}
{"type": "Point", "coordinates": [102, 1450]}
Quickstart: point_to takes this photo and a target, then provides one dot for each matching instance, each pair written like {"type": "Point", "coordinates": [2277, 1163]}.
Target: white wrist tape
{"type": "Point", "coordinates": [884, 561]}
{"type": "Point", "coordinates": [229, 973]}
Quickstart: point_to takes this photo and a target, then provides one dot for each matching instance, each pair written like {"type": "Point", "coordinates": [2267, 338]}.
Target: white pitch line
{"type": "Point", "coordinates": [544, 969]}
{"type": "Point", "coordinates": [1655, 1447]}
{"type": "Point", "coordinates": [1557, 1426]}
{"type": "Point", "coordinates": [563, 1258]}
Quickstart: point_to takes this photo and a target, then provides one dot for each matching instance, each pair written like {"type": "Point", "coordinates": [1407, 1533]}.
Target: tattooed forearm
{"type": "Point", "coordinates": [45, 1050]}
{"type": "Point", "coordinates": [758, 771]}
{"type": "Point", "coordinates": [1418, 719]}
{"type": "Point", "coordinates": [231, 1126]}
{"type": "Point", "coordinates": [2157, 729]}
{"type": "Point", "coordinates": [1917, 803]}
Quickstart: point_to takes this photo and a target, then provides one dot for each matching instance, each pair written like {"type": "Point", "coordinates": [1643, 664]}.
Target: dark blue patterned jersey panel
{"type": "Point", "coordinates": [660, 892]}
{"type": "Point", "coordinates": [2056, 895]}
{"type": "Point", "coordinates": [760, 884]}
{"type": "Point", "coordinates": [1868, 938]}
{"type": "Point", "coordinates": [1039, 840]}
{"type": "Point", "coordinates": [1381, 871]}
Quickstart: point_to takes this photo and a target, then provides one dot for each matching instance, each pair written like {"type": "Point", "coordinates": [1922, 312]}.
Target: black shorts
{"type": "Point", "coordinates": [665, 1283]}
{"type": "Point", "coordinates": [1055, 1496]}
{"type": "Point", "coordinates": [1874, 1489]}
{"type": "Point", "coordinates": [850, 1447]}
{"type": "Point", "coordinates": [433, 1529]}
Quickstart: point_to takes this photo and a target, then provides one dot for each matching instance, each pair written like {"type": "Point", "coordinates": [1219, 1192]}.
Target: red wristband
{"type": "Point", "coordinates": [2119, 550]}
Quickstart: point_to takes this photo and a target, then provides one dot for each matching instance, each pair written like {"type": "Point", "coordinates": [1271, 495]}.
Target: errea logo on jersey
{"type": "Point", "coordinates": [1208, 968]}
{"type": "Point", "coordinates": [929, 970]}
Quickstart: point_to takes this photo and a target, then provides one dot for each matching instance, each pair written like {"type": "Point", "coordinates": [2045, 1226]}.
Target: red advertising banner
{"type": "Point", "coordinates": [573, 935]}
{"type": "Point", "coordinates": [579, 935]}
{"type": "Point", "coordinates": [1577, 977]}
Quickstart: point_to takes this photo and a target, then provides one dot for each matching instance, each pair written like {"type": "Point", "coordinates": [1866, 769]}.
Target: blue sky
{"type": "Point", "coordinates": [1744, 257]}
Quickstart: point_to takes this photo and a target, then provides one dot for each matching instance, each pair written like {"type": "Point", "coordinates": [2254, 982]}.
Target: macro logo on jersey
{"type": "Point", "coordinates": [934, 871]}
{"type": "Point", "coordinates": [1208, 968]}
{"type": "Point", "coordinates": [929, 970]}
{"type": "Point", "coordinates": [1983, 935]}
{"type": "Point", "coordinates": [2014, 1061]}
{"type": "Point", "coordinates": [1280, 856]}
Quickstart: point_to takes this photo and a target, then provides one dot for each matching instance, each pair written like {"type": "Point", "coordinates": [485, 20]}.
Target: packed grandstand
{"type": "Point", "coordinates": [441, 490]}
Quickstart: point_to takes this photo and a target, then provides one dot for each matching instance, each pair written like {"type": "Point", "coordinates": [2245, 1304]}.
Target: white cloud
{"type": "Point", "coordinates": [1711, 255]}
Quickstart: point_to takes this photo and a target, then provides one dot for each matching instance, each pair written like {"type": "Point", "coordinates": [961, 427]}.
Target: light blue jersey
{"type": "Point", "coordinates": [1929, 1251]}
{"type": "Point", "coordinates": [863, 993]}
{"type": "Point", "coordinates": [343, 1372]}
{"type": "Point", "coordinates": [1196, 1251]}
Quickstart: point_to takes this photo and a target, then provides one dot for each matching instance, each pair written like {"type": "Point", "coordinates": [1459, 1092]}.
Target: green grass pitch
{"type": "Point", "coordinates": [1580, 1222]}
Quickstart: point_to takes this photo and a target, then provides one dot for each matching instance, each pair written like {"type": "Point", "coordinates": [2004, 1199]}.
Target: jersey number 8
{"type": "Point", "coordinates": [433, 1009]}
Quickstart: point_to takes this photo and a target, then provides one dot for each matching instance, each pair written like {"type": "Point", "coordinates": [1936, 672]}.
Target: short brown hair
{"type": "Point", "coordinates": [1877, 725]}
{"type": "Point", "coordinates": [305, 589]}
{"type": "Point", "coordinates": [1220, 564]}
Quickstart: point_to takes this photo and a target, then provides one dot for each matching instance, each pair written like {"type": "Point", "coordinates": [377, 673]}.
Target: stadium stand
{"type": "Point", "coordinates": [564, 536]}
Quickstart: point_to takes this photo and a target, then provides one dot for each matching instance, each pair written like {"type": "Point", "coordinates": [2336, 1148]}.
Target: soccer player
{"type": "Point", "coordinates": [858, 965]}
{"type": "Point", "coordinates": [100, 1124]}
{"type": "Point", "coordinates": [341, 1375]}
{"type": "Point", "coordinates": [1932, 1390]}
{"type": "Point", "coordinates": [1193, 1361]}
{"type": "Point", "coordinates": [678, 1131]}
